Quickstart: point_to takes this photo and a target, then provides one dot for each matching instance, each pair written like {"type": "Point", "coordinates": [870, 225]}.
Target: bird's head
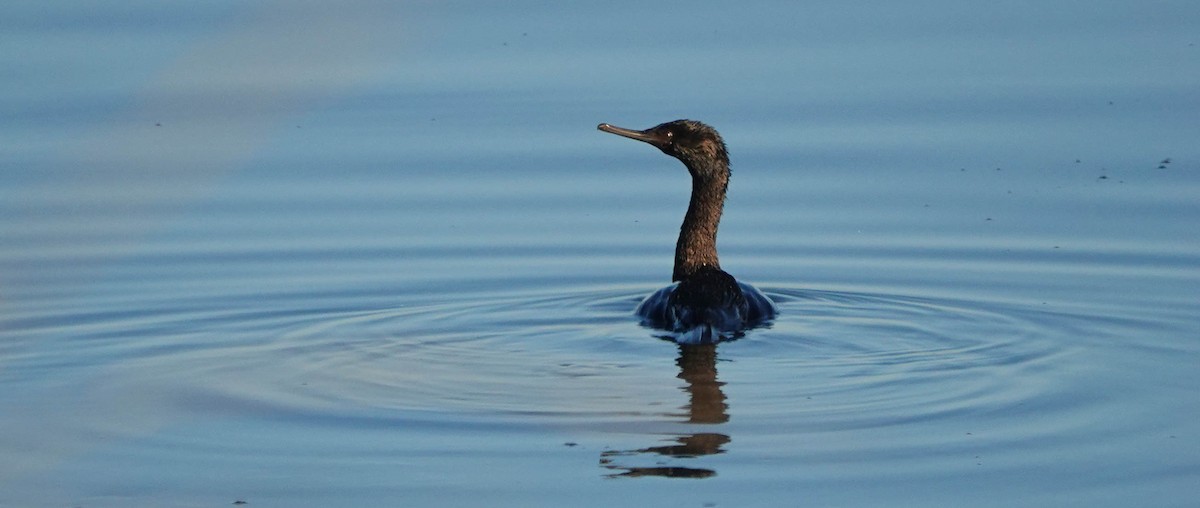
{"type": "Point", "coordinates": [694, 143]}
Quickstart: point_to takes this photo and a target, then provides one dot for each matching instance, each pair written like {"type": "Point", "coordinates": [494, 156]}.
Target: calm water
{"type": "Point", "coordinates": [378, 255]}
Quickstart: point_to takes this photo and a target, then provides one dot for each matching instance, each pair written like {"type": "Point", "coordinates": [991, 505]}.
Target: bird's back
{"type": "Point", "coordinates": [705, 307]}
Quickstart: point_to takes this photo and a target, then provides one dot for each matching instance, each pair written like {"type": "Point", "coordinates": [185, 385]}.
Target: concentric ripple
{"type": "Point", "coordinates": [861, 359]}
{"type": "Point", "coordinates": [856, 359]}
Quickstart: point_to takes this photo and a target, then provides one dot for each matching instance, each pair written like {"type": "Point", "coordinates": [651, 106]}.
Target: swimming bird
{"type": "Point", "coordinates": [705, 304]}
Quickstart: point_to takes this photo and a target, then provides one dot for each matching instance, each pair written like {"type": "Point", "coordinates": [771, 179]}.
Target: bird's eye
{"type": "Point", "coordinates": [670, 136]}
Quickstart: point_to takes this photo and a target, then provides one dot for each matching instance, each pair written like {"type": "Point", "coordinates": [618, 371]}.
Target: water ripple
{"type": "Point", "coordinates": [856, 358]}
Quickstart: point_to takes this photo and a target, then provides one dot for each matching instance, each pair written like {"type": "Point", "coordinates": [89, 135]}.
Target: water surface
{"type": "Point", "coordinates": [377, 254]}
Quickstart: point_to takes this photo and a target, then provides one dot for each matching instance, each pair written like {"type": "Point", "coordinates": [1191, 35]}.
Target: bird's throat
{"type": "Point", "coordinates": [697, 245]}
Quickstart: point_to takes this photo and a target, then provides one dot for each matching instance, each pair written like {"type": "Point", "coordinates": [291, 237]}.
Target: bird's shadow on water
{"type": "Point", "coordinates": [706, 405]}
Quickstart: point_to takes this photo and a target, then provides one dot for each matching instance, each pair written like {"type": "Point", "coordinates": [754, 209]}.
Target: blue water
{"type": "Point", "coordinates": [376, 254]}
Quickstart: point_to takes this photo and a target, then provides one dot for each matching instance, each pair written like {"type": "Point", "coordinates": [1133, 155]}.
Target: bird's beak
{"type": "Point", "coordinates": [645, 136]}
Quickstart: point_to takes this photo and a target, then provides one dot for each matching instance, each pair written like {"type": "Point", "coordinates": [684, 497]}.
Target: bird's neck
{"type": "Point", "coordinates": [697, 246]}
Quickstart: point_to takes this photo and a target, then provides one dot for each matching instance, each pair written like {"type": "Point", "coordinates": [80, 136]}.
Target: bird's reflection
{"type": "Point", "coordinates": [706, 405]}
{"type": "Point", "coordinates": [698, 366]}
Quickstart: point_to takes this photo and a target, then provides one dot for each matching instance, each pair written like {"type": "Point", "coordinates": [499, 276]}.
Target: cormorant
{"type": "Point", "coordinates": [706, 304]}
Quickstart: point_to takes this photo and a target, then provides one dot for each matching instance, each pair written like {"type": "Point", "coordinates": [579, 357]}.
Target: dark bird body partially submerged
{"type": "Point", "coordinates": [706, 304]}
